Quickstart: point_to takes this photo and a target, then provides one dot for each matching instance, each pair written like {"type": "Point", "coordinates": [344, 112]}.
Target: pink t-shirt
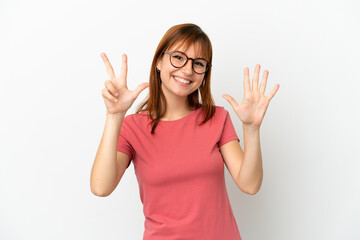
{"type": "Point", "coordinates": [180, 172]}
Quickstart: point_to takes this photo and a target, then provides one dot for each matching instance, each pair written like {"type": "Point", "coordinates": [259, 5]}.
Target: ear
{"type": "Point", "coordinates": [158, 64]}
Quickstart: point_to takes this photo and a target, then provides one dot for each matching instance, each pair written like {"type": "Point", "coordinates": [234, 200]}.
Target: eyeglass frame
{"type": "Point", "coordinates": [208, 65]}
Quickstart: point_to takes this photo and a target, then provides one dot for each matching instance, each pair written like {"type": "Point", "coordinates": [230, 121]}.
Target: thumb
{"type": "Point", "coordinates": [231, 100]}
{"type": "Point", "coordinates": [140, 88]}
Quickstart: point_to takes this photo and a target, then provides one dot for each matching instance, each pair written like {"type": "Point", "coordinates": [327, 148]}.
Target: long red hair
{"type": "Point", "coordinates": [155, 103]}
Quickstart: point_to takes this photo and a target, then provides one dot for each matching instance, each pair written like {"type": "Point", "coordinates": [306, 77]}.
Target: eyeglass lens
{"type": "Point", "coordinates": [179, 59]}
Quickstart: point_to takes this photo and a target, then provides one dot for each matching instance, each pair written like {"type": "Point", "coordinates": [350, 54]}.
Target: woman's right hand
{"type": "Point", "coordinates": [117, 97]}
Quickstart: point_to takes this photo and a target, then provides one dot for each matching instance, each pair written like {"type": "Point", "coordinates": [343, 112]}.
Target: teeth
{"type": "Point", "coordinates": [182, 80]}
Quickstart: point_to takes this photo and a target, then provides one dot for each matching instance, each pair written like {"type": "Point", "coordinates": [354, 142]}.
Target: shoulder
{"type": "Point", "coordinates": [220, 109]}
{"type": "Point", "coordinates": [218, 118]}
{"type": "Point", "coordinates": [220, 113]}
{"type": "Point", "coordinates": [136, 120]}
{"type": "Point", "coordinates": [135, 116]}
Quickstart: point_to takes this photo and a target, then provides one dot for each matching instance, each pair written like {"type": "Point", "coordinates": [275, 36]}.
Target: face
{"type": "Point", "coordinates": [182, 81]}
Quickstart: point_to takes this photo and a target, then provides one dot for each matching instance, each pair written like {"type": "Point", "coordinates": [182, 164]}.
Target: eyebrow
{"type": "Point", "coordinates": [197, 57]}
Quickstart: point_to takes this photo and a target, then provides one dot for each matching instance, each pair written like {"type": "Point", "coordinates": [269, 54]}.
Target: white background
{"type": "Point", "coordinates": [53, 114]}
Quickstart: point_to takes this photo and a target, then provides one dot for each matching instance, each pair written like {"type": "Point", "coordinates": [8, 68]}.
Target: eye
{"type": "Point", "coordinates": [178, 57]}
{"type": "Point", "coordinates": [200, 63]}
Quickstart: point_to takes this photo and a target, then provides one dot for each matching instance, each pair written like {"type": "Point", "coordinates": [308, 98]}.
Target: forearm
{"type": "Point", "coordinates": [104, 171]}
{"type": "Point", "coordinates": [251, 172]}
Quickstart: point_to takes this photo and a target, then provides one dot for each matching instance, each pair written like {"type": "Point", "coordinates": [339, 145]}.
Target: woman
{"type": "Point", "coordinates": [179, 144]}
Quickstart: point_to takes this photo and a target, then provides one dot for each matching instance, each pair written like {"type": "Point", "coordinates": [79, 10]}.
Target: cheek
{"type": "Point", "coordinates": [167, 69]}
{"type": "Point", "coordinates": [165, 74]}
{"type": "Point", "coordinates": [201, 79]}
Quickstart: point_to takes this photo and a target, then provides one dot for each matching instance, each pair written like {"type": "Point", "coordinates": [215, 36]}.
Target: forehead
{"type": "Point", "coordinates": [193, 49]}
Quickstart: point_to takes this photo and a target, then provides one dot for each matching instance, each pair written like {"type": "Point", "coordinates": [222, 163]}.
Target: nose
{"type": "Point", "coordinates": [187, 69]}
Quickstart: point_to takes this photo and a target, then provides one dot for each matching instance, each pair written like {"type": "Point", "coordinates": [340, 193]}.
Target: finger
{"type": "Point", "coordinates": [231, 100]}
{"type": "Point", "coordinates": [106, 94]}
{"type": "Point", "coordinates": [140, 88]}
{"type": "Point", "coordinates": [255, 82]}
{"type": "Point", "coordinates": [108, 66]}
{"type": "Point", "coordinates": [264, 81]}
{"type": "Point", "coordinates": [273, 92]}
{"type": "Point", "coordinates": [109, 85]}
{"type": "Point", "coordinates": [246, 80]}
{"type": "Point", "coordinates": [123, 72]}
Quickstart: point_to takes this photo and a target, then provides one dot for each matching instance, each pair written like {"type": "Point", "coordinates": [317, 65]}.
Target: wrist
{"type": "Point", "coordinates": [115, 115]}
{"type": "Point", "coordinates": [251, 128]}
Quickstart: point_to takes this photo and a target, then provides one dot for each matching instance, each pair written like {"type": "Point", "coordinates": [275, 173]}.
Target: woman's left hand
{"type": "Point", "coordinates": [252, 110]}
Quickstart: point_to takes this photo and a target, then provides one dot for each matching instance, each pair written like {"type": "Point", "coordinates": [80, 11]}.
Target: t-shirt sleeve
{"type": "Point", "coordinates": [228, 132]}
{"type": "Point", "coordinates": [124, 141]}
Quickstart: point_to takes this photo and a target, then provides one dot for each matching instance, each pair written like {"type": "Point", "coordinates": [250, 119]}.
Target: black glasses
{"type": "Point", "coordinates": [179, 59]}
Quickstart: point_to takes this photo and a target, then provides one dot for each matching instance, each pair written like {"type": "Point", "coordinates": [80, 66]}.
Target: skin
{"type": "Point", "coordinates": [109, 164]}
{"type": "Point", "coordinates": [245, 166]}
{"type": "Point", "coordinates": [117, 97]}
{"type": "Point", "coordinates": [176, 95]}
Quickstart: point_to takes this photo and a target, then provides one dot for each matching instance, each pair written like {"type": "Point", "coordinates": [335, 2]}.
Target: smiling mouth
{"type": "Point", "coordinates": [181, 80]}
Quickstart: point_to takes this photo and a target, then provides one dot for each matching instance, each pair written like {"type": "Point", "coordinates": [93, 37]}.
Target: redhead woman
{"type": "Point", "coordinates": [179, 141]}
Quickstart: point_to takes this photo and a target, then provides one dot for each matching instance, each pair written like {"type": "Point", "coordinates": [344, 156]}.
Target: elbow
{"type": "Point", "coordinates": [250, 191]}
{"type": "Point", "coordinates": [99, 188]}
{"type": "Point", "coordinates": [250, 188]}
{"type": "Point", "coordinates": [98, 191]}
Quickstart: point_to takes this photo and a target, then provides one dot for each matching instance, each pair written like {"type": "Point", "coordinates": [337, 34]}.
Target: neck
{"type": "Point", "coordinates": [176, 107]}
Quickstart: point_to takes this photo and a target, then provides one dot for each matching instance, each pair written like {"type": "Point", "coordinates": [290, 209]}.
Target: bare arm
{"type": "Point", "coordinates": [245, 167]}
{"type": "Point", "coordinates": [109, 165]}
{"type": "Point", "coordinates": [250, 175]}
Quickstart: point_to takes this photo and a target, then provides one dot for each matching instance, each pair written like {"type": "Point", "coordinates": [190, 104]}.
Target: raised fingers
{"type": "Point", "coordinates": [273, 92]}
{"type": "Point", "coordinates": [246, 80]}
{"type": "Point", "coordinates": [255, 81]}
{"type": "Point", "coordinates": [140, 88]}
{"type": "Point", "coordinates": [263, 82]}
{"type": "Point", "coordinates": [124, 68]}
{"type": "Point", "coordinates": [108, 66]}
{"type": "Point", "coordinates": [111, 87]}
{"type": "Point", "coordinates": [106, 94]}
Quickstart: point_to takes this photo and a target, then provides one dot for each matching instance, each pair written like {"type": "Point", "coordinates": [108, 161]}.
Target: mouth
{"type": "Point", "coordinates": [182, 81]}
